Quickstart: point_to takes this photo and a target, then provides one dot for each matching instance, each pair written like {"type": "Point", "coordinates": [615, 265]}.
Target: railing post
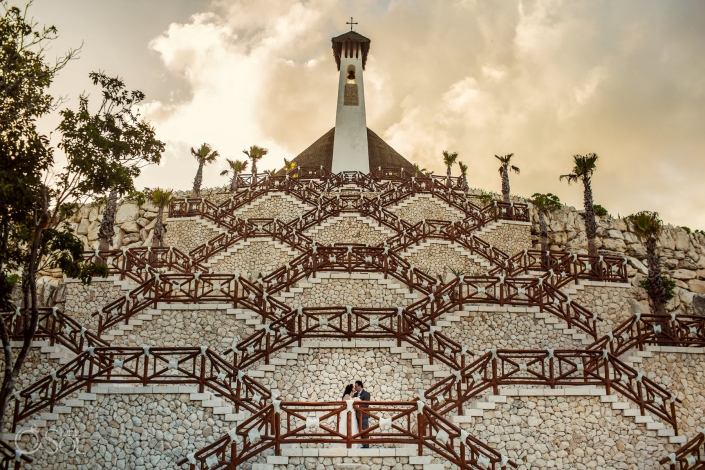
{"type": "Point", "coordinates": [422, 432]}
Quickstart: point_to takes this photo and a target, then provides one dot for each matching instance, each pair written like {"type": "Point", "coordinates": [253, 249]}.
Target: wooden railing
{"type": "Point", "coordinates": [403, 422]}
{"type": "Point", "coordinates": [663, 330]}
{"type": "Point", "coordinates": [691, 456]}
{"type": "Point", "coordinates": [11, 458]}
{"type": "Point", "coordinates": [551, 368]}
{"type": "Point", "coordinates": [142, 366]}
{"type": "Point", "coordinates": [54, 325]}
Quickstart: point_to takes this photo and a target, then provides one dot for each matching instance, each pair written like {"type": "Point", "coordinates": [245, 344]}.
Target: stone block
{"type": "Point", "coordinates": [127, 212]}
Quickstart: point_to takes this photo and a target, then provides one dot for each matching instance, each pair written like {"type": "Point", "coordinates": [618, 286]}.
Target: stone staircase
{"type": "Point", "coordinates": [279, 195]}
{"type": "Point", "coordinates": [461, 250]}
{"type": "Point", "coordinates": [412, 199]}
{"type": "Point", "coordinates": [476, 409]}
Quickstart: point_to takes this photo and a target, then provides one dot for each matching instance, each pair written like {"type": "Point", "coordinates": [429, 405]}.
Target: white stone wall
{"type": "Point", "coordinates": [568, 433]}
{"type": "Point", "coordinates": [323, 373]}
{"type": "Point", "coordinates": [270, 207]}
{"type": "Point", "coordinates": [81, 300]}
{"type": "Point", "coordinates": [684, 375]}
{"type": "Point", "coordinates": [508, 237]}
{"type": "Point", "coordinates": [252, 258]}
{"type": "Point", "coordinates": [349, 230]}
{"type": "Point", "coordinates": [354, 292]}
{"type": "Point", "coordinates": [438, 259]}
{"type": "Point", "coordinates": [482, 331]}
{"type": "Point", "coordinates": [188, 233]}
{"type": "Point", "coordinates": [424, 206]}
{"type": "Point", "coordinates": [612, 304]}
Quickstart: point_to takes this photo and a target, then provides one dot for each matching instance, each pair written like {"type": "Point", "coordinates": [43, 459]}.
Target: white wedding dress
{"type": "Point", "coordinates": [343, 428]}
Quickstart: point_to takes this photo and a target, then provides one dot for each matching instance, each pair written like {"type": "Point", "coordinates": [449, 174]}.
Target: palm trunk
{"type": "Point", "coordinates": [590, 223]}
{"type": "Point", "coordinates": [107, 226]}
{"type": "Point", "coordinates": [466, 187]}
{"type": "Point", "coordinates": [543, 230]}
{"type": "Point", "coordinates": [448, 173]}
{"type": "Point", "coordinates": [254, 172]}
{"type": "Point", "coordinates": [197, 181]}
{"type": "Point", "coordinates": [657, 293]}
{"type": "Point", "coordinates": [505, 185]}
{"type": "Point", "coordinates": [233, 183]}
{"type": "Point", "coordinates": [159, 228]}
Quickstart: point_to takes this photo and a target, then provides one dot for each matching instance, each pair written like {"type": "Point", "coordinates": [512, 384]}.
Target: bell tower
{"type": "Point", "coordinates": [350, 148]}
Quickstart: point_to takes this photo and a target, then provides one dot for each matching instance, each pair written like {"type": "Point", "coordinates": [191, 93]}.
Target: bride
{"type": "Point", "coordinates": [343, 426]}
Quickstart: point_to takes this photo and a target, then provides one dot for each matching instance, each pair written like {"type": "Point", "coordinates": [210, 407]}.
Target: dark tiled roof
{"type": "Point", "coordinates": [338, 43]}
{"type": "Point", "coordinates": [380, 153]}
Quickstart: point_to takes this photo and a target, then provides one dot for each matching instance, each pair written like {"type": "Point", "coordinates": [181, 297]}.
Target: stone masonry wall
{"type": "Point", "coordinates": [187, 234]}
{"type": "Point", "coordinates": [682, 253]}
{"type": "Point", "coordinates": [425, 207]}
{"type": "Point", "coordinates": [354, 292]}
{"type": "Point", "coordinates": [324, 372]}
{"type": "Point", "coordinates": [508, 237]}
{"type": "Point", "coordinates": [252, 258]}
{"type": "Point", "coordinates": [684, 375]}
{"type": "Point", "coordinates": [438, 259]}
{"type": "Point", "coordinates": [482, 331]}
{"type": "Point", "coordinates": [150, 431]}
{"type": "Point", "coordinates": [612, 304]}
{"type": "Point", "coordinates": [81, 300]}
{"type": "Point", "coordinates": [349, 230]}
{"type": "Point", "coordinates": [273, 207]}
{"type": "Point", "coordinates": [568, 433]}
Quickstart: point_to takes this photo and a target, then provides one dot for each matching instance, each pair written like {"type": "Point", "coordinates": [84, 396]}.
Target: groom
{"type": "Point", "coordinates": [363, 395]}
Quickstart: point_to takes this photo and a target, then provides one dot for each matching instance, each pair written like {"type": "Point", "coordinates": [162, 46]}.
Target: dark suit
{"type": "Point", "coordinates": [364, 422]}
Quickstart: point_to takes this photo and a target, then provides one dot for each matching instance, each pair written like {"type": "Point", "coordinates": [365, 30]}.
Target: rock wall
{"type": "Point", "coordinates": [484, 330]}
{"type": "Point", "coordinates": [253, 258]}
{"type": "Point", "coordinates": [349, 230]}
{"type": "Point", "coordinates": [424, 206]}
{"type": "Point", "coordinates": [612, 304]}
{"type": "Point", "coordinates": [682, 253]}
{"type": "Point", "coordinates": [270, 207]}
{"type": "Point", "coordinates": [188, 233]}
{"type": "Point", "coordinates": [568, 433]}
{"type": "Point", "coordinates": [683, 374]}
{"type": "Point", "coordinates": [324, 372]}
{"type": "Point", "coordinates": [509, 237]}
{"type": "Point", "coordinates": [441, 259]}
{"type": "Point", "coordinates": [354, 292]}
{"type": "Point", "coordinates": [82, 300]}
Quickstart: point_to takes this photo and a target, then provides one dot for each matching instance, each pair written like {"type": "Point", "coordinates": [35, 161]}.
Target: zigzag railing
{"type": "Point", "coordinates": [663, 330]}
{"type": "Point", "coordinates": [691, 456]}
{"type": "Point", "coordinates": [142, 366]}
{"type": "Point", "coordinates": [552, 368]}
{"type": "Point", "coordinates": [11, 458]}
{"type": "Point", "coordinates": [283, 423]}
{"type": "Point", "coordinates": [55, 326]}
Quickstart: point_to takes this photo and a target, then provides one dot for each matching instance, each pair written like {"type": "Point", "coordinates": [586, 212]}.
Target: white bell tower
{"type": "Point", "coordinates": [350, 151]}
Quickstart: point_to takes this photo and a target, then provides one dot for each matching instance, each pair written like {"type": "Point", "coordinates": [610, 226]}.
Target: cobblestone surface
{"type": "Point", "coordinates": [253, 258]}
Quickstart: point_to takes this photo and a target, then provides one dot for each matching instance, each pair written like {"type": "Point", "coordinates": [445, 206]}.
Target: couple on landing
{"type": "Point", "coordinates": [361, 420]}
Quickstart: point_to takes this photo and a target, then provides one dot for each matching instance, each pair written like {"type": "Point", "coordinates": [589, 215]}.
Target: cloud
{"type": "Point", "coordinates": [544, 79]}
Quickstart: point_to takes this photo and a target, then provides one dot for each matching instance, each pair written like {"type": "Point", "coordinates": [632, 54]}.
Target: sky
{"type": "Point", "coordinates": [543, 79]}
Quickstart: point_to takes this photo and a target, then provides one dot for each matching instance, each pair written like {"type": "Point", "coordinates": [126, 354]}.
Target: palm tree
{"type": "Point", "coordinates": [204, 155]}
{"type": "Point", "coordinates": [449, 160]}
{"type": "Point", "coordinates": [647, 226]}
{"type": "Point", "coordinates": [255, 153]}
{"type": "Point", "coordinates": [544, 204]}
{"type": "Point", "coordinates": [583, 169]}
{"type": "Point", "coordinates": [504, 170]}
{"type": "Point", "coordinates": [236, 167]}
{"type": "Point", "coordinates": [464, 175]}
{"type": "Point", "coordinates": [418, 170]}
{"type": "Point", "coordinates": [161, 198]}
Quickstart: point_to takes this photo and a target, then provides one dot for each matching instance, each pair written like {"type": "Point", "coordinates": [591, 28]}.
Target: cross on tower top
{"type": "Point", "coordinates": [351, 23]}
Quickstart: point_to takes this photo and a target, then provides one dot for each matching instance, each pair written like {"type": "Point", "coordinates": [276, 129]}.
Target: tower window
{"type": "Point", "coordinates": [350, 76]}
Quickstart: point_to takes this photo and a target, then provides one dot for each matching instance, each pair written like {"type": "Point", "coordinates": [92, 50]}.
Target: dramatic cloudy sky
{"type": "Point", "coordinates": [543, 79]}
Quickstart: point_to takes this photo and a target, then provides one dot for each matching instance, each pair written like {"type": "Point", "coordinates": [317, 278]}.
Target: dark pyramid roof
{"type": "Point", "coordinates": [351, 36]}
{"type": "Point", "coordinates": [380, 153]}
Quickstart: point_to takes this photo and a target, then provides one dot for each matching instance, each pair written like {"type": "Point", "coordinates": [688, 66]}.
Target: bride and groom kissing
{"type": "Point", "coordinates": [361, 420]}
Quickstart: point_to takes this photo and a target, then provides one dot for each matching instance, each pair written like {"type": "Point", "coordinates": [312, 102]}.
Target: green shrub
{"type": "Point", "coordinates": [668, 284]}
{"type": "Point", "coordinates": [600, 211]}
{"type": "Point", "coordinates": [687, 229]}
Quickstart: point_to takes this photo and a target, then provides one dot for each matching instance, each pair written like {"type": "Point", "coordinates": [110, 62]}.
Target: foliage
{"type": "Point", "coordinates": [205, 154]}
{"type": "Point", "coordinates": [486, 197]}
{"type": "Point", "coordinates": [138, 197]}
{"type": "Point", "coordinates": [289, 165]}
{"type": "Point", "coordinates": [600, 211]}
{"type": "Point", "coordinates": [584, 167]}
{"type": "Point", "coordinates": [449, 158]}
{"type": "Point", "coordinates": [418, 170]}
{"type": "Point", "coordinates": [505, 165]}
{"type": "Point", "coordinates": [647, 225]}
{"type": "Point", "coordinates": [668, 284]}
{"type": "Point", "coordinates": [699, 231]}
{"type": "Point", "coordinates": [161, 197]}
{"type": "Point", "coordinates": [687, 229]}
{"type": "Point", "coordinates": [463, 168]}
{"type": "Point", "coordinates": [546, 202]}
